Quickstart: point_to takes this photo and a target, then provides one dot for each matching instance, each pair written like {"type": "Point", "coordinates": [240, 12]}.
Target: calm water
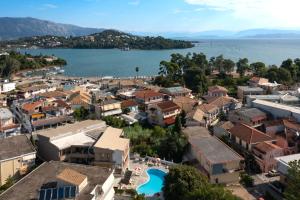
{"type": "Point", "coordinates": [114, 62]}
{"type": "Point", "coordinates": [154, 184]}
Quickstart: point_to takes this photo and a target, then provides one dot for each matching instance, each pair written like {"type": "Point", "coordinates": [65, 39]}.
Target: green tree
{"type": "Point", "coordinates": [259, 69]}
{"type": "Point", "coordinates": [187, 183]}
{"type": "Point", "coordinates": [183, 118]}
{"type": "Point", "coordinates": [228, 65]}
{"type": "Point", "coordinates": [291, 67]}
{"type": "Point", "coordinates": [219, 63]}
{"type": "Point", "coordinates": [81, 113]}
{"type": "Point", "coordinates": [242, 66]}
{"type": "Point", "coordinates": [293, 181]}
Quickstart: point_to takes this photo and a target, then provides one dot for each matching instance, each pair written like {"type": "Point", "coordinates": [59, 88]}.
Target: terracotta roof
{"type": "Point", "coordinates": [217, 88]}
{"type": "Point", "coordinates": [222, 101]}
{"type": "Point", "coordinates": [32, 105]}
{"type": "Point", "coordinates": [196, 114]}
{"type": "Point", "coordinates": [265, 147]}
{"type": "Point", "coordinates": [169, 121]}
{"type": "Point", "coordinates": [71, 176]}
{"type": "Point", "coordinates": [185, 103]}
{"type": "Point", "coordinates": [167, 106]}
{"type": "Point", "coordinates": [147, 94]}
{"type": "Point", "coordinates": [249, 134]}
{"type": "Point", "coordinates": [226, 125]}
{"type": "Point", "coordinates": [54, 94]}
{"type": "Point", "coordinates": [128, 103]}
{"type": "Point", "coordinates": [61, 103]}
{"type": "Point", "coordinates": [291, 124]}
{"type": "Point", "coordinates": [208, 108]}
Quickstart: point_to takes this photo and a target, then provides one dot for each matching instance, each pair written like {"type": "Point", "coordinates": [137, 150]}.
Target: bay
{"type": "Point", "coordinates": [117, 63]}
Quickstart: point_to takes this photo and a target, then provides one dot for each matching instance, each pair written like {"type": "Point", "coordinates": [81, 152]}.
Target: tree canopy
{"type": "Point", "coordinates": [187, 183]}
{"type": "Point", "coordinates": [293, 181]}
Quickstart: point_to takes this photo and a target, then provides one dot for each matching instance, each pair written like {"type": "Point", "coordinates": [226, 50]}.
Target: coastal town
{"type": "Point", "coordinates": [103, 138]}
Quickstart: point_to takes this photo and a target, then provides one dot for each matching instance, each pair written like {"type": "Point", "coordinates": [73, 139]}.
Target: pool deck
{"type": "Point", "coordinates": [140, 177]}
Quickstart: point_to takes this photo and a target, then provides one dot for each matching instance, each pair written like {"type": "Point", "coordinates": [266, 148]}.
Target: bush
{"type": "Point", "coordinates": [247, 180]}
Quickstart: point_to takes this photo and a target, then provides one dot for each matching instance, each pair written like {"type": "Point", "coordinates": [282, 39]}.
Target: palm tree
{"type": "Point", "coordinates": [137, 69]}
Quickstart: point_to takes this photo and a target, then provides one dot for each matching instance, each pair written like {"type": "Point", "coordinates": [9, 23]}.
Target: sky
{"type": "Point", "coordinates": [161, 15]}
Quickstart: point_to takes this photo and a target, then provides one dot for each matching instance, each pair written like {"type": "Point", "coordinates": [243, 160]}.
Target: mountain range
{"type": "Point", "coordinates": [19, 27]}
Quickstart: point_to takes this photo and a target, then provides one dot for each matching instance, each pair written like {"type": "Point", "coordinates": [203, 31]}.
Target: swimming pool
{"type": "Point", "coordinates": [154, 183]}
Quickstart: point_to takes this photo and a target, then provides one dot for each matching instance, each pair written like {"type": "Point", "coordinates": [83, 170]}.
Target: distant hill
{"type": "Point", "coordinates": [14, 28]}
{"type": "Point", "coordinates": [107, 39]}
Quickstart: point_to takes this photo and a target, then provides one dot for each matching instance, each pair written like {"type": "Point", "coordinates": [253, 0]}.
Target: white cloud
{"type": "Point", "coordinates": [134, 2]}
{"type": "Point", "coordinates": [283, 13]}
{"type": "Point", "coordinates": [49, 5]}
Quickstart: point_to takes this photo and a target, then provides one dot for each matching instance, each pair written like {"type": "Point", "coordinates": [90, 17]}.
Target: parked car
{"type": "Point", "coordinates": [273, 173]}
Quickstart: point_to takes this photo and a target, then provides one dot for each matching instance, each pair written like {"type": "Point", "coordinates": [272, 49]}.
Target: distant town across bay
{"type": "Point", "coordinates": [118, 63]}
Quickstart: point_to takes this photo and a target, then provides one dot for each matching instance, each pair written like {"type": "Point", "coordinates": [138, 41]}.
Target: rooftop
{"type": "Point", "coordinates": [128, 103]}
{"type": "Point", "coordinates": [283, 162]}
{"type": "Point", "coordinates": [252, 113]}
{"type": "Point", "coordinates": [147, 94]}
{"type": "Point", "coordinates": [48, 172]}
{"type": "Point", "coordinates": [111, 139]}
{"type": "Point", "coordinates": [5, 113]}
{"type": "Point", "coordinates": [293, 109]}
{"type": "Point", "coordinates": [265, 147]}
{"type": "Point", "coordinates": [70, 129]}
{"type": "Point", "coordinates": [217, 88]}
{"type": "Point", "coordinates": [71, 176]}
{"type": "Point", "coordinates": [250, 89]}
{"type": "Point", "coordinates": [15, 146]}
{"type": "Point", "coordinates": [249, 134]}
{"type": "Point", "coordinates": [175, 90]}
{"type": "Point", "coordinates": [167, 106]}
{"type": "Point", "coordinates": [213, 149]}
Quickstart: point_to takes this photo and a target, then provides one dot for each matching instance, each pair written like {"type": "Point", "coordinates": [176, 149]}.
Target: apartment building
{"type": "Point", "coordinates": [250, 116]}
{"type": "Point", "coordinates": [215, 159]}
{"type": "Point", "coordinates": [108, 107]}
{"type": "Point", "coordinates": [17, 157]}
{"type": "Point", "coordinates": [265, 154]}
{"type": "Point", "coordinates": [163, 113]}
{"type": "Point", "coordinates": [8, 127]}
{"type": "Point", "coordinates": [112, 150]}
{"type": "Point", "coordinates": [71, 142]}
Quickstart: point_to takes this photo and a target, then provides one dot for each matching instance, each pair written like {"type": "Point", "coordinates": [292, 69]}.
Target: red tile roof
{"type": "Point", "coordinates": [208, 108]}
{"type": "Point", "coordinates": [265, 147]}
{"type": "Point", "coordinates": [29, 107]}
{"type": "Point", "coordinates": [217, 88]}
{"type": "Point", "coordinates": [167, 106]}
{"type": "Point", "coordinates": [249, 134]}
{"type": "Point", "coordinates": [147, 94]}
{"type": "Point", "coordinates": [169, 121]}
{"type": "Point", "coordinates": [128, 103]}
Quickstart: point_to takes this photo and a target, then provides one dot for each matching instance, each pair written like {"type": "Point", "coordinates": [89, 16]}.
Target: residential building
{"type": "Point", "coordinates": [210, 114]}
{"type": "Point", "coordinates": [163, 113]}
{"type": "Point", "coordinates": [246, 136]}
{"type": "Point", "coordinates": [265, 154]}
{"type": "Point", "coordinates": [186, 103]}
{"type": "Point", "coordinates": [129, 104]}
{"type": "Point", "coordinates": [217, 91]}
{"type": "Point", "coordinates": [221, 128]}
{"type": "Point", "coordinates": [277, 110]}
{"type": "Point", "coordinates": [112, 154]}
{"type": "Point", "coordinates": [283, 164]}
{"type": "Point", "coordinates": [147, 97]}
{"type": "Point", "coordinates": [214, 158]}
{"type": "Point", "coordinates": [108, 107]}
{"type": "Point", "coordinates": [250, 116]}
{"type": "Point", "coordinates": [61, 180]}
{"type": "Point", "coordinates": [243, 91]}
{"type": "Point", "coordinates": [17, 157]}
{"type": "Point", "coordinates": [71, 142]}
{"type": "Point", "coordinates": [196, 117]}
{"type": "Point", "coordinates": [287, 99]}
{"type": "Point", "coordinates": [176, 91]}
{"type": "Point", "coordinates": [225, 103]}
{"type": "Point", "coordinates": [7, 87]}
{"type": "Point", "coordinates": [8, 127]}
{"type": "Point", "coordinates": [257, 81]}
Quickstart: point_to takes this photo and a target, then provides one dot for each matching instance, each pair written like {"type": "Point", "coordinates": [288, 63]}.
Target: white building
{"type": "Point", "coordinates": [7, 87]}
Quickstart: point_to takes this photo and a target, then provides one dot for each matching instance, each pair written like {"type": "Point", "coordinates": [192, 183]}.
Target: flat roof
{"type": "Point", "coordinates": [111, 139]}
{"type": "Point", "coordinates": [283, 162]}
{"type": "Point", "coordinates": [15, 146]}
{"type": "Point", "coordinates": [48, 172]}
{"type": "Point", "coordinates": [78, 139]}
{"type": "Point", "coordinates": [214, 150]}
{"type": "Point", "coordinates": [249, 88]}
{"type": "Point", "coordinates": [5, 113]}
{"type": "Point", "coordinates": [293, 109]}
{"type": "Point", "coordinates": [211, 147]}
{"type": "Point", "coordinates": [71, 129]}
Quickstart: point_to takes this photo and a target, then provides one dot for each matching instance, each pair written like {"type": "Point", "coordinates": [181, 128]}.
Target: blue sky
{"type": "Point", "coordinates": [161, 15]}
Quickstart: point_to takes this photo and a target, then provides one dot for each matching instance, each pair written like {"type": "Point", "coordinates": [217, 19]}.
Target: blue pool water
{"type": "Point", "coordinates": [154, 184]}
